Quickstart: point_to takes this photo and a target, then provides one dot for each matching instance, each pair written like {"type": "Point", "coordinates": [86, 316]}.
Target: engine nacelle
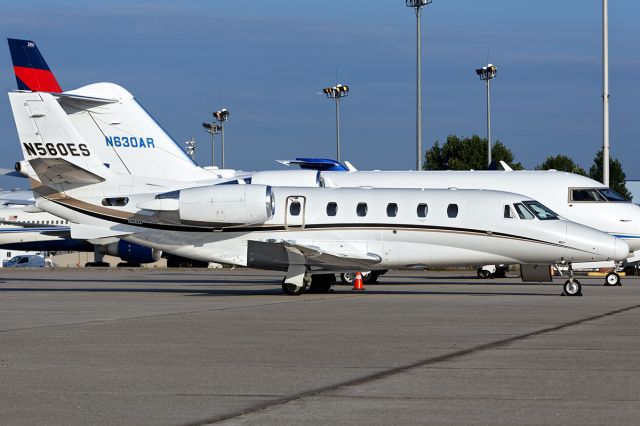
{"type": "Point", "coordinates": [227, 204]}
{"type": "Point", "coordinates": [131, 252]}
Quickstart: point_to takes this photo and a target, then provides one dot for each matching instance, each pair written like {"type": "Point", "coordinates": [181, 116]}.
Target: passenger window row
{"type": "Point", "coordinates": [422, 210]}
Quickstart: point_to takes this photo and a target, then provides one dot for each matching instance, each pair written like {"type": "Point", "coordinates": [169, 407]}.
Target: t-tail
{"type": "Point", "coordinates": [30, 68]}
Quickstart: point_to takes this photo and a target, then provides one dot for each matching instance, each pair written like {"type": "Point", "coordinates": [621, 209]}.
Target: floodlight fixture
{"type": "Point", "coordinates": [336, 93]}
{"type": "Point", "coordinates": [191, 147]}
{"type": "Point", "coordinates": [486, 74]}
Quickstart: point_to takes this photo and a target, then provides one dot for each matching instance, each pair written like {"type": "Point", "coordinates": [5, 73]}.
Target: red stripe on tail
{"type": "Point", "coordinates": [38, 80]}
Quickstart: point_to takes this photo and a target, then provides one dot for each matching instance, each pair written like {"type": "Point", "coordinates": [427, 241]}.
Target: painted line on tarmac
{"type": "Point", "coordinates": [397, 370]}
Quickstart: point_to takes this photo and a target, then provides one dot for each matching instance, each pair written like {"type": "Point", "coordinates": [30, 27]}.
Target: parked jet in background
{"type": "Point", "coordinates": [31, 229]}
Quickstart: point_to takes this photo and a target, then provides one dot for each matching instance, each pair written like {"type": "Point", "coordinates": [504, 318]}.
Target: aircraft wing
{"type": "Point", "coordinates": [287, 253]}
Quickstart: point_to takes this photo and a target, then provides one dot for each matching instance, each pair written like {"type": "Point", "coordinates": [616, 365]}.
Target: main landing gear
{"type": "Point", "coordinates": [572, 286]}
{"type": "Point", "coordinates": [318, 283]}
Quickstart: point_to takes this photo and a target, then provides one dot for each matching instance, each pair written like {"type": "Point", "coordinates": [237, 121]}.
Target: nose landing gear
{"type": "Point", "coordinates": [572, 286]}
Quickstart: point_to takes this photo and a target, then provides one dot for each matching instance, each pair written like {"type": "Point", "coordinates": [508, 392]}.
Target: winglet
{"type": "Point", "coordinates": [31, 70]}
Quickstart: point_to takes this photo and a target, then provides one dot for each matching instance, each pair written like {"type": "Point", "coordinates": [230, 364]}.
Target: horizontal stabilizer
{"type": "Point", "coordinates": [11, 173]}
{"type": "Point", "coordinates": [90, 99]}
{"type": "Point", "coordinates": [59, 170]}
{"type": "Point", "coordinates": [320, 164]}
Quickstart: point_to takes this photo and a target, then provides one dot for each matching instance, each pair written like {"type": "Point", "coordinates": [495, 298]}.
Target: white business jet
{"type": "Point", "coordinates": [309, 233]}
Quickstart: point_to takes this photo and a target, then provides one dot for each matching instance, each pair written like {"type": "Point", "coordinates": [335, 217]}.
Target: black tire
{"type": "Point", "coordinates": [612, 279]}
{"type": "Point", "coordinates": [292, 289]}
{"type": "Point", "coordinates": [501, 272]}
{"type": "Point", "coordinates": [348, 278]}
{"type": "Point", "coordinates": [483, 273]}
{"type": "Point", "coordinates": [322, 283]}
{"type": "Point", "coordinates": [572, 288]}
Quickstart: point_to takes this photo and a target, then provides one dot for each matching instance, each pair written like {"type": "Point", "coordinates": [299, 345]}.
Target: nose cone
{"type": "Point", "coordinates": [622, 249]}
{"type": "Point", "coordinates": [587, 244]}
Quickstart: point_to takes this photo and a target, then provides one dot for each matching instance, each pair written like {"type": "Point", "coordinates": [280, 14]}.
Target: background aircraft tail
{"type": "Point", "coordinates": [30, 68]}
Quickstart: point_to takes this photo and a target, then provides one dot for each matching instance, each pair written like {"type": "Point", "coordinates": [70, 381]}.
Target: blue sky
{"type": "Point", "coordinates": [267, 61]}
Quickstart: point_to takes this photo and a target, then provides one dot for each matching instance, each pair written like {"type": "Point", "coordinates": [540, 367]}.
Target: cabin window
{"type": "Point", "coordinates": [452, 210]}
{"type": "Point", "coordinates": [508, 213]}
{"type": "Point", "coordinates": [523, 212]}
{"type": "Point", "coordinates": [422, 210]}
{"type": "Point", "coordinates": [392, 209]}
{"type": "Point", "coordinates": [295, 208]}
{"type": "Point", "coordinates": [115, 201]}
{"type": "Point", "coordinates": [332, 209]}
{"type": "Point", "coordinates": [361, 209]}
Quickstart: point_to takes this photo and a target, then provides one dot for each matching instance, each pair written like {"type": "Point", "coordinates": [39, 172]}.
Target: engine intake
{"type": "Point", "coordinates": [227, 204]}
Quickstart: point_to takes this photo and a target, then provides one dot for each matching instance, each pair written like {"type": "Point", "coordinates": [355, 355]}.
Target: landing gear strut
{"type": "Point", "coordinates": [572, 287]}
{"type": "Point", "coordinates": [318, 283]}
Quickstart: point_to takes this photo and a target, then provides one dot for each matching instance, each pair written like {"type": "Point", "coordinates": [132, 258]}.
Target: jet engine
{"type": "Point", "coordinates": [131, 253]}
{"type": "Point", "coordinates": [226, 204]}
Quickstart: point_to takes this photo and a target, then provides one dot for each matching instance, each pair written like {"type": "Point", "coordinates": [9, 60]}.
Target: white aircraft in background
{"type": "Point", "coordinates": [30, 229]}
{"type": "Point", "coordinates": [310, 233]}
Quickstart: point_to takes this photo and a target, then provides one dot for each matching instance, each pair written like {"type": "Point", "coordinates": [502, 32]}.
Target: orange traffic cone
{"type": "Point", "coordinates": [357, 283]}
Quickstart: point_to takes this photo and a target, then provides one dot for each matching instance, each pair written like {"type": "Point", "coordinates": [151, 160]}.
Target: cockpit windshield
{"type": "Point", "coordinates": [542, 212]}
{"type": "Point", "coordinates": [594, 195]}
{"type": "Point", "coordinates": [611, 195]}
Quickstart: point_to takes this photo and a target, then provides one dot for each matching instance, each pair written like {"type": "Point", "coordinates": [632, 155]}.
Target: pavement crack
{"type": "Point", "coordinates": [404, 368]}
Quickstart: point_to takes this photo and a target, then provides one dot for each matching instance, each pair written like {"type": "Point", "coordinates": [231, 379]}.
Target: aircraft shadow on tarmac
{"type": "Point", "coordinates": [248, 288]}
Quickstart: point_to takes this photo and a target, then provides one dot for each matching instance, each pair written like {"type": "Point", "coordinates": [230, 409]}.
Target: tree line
{"type": "Point", "coordinates": [470, 153]}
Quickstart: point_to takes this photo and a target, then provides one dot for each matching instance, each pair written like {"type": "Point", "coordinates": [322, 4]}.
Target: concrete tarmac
{"type": "Point", "coordinates": [192, 347]}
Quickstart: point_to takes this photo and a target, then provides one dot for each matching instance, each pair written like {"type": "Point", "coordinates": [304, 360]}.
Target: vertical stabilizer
{"type": "Point", "coordinates": [30, 68]}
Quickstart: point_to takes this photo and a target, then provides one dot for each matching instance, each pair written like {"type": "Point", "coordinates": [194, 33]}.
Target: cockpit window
{"type": "Point", "coordinates": [541, 212]}
{"type": "Point", "coordinates": [522, 211]}
{"type": "Point", "coordinates": [594, 195]}
{"type": "Point", "coordinates": [508, 213]}
{"type": "Point", "coordinates": [611, 195]}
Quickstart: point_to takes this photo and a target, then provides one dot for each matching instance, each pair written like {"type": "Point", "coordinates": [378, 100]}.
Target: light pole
{"type": "Point", "coordinates": [213, 129]}
{"type": "Point", "coordinates": [487, 74]}
{"type": "Point", "coordinates": [191, 147]}
{"type": "Point", "coordinates": [222, 116]}
{"type": "Point", "coordinates": [336, 92]}
{"type": "Point", "coordinates": [605, 93]}
{"type": "Point", "coordinates": [418, 5]}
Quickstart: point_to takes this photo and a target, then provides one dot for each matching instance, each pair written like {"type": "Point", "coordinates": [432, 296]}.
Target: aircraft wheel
{"type": "Point", "coordinates": [349, 277]}
{"type": "Point", "coordinates": [572, 288]}
{"type": "Point", "coordinates": [483, 273]}
{"type": "Point", "coordinates": [322, 283]}
{"type": "Point", "coordinates": [292, 289]}
{"type": "Point", "coordinates": [612, 279]}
